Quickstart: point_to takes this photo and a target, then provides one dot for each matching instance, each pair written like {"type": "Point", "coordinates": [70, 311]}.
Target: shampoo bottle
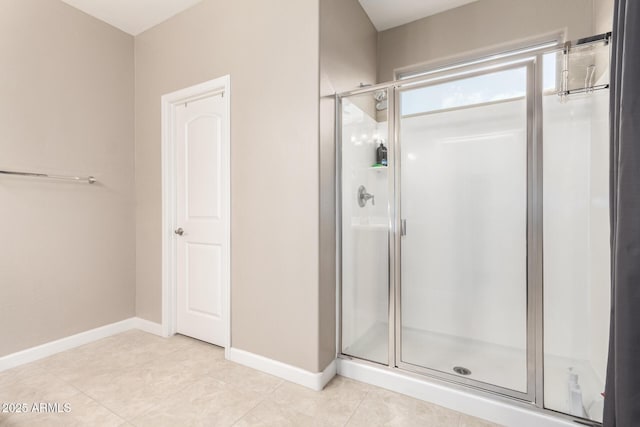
{"type": "Point", "coordinates": [575, 404]}
{"type": "Point", "coordinates": [381, 155]}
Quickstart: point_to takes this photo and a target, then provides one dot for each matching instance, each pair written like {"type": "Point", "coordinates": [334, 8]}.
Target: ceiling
{"type": "Point", "coordinates": [132, 16]}
{"type": "Point", "coordinates": [387, 14]}
{"type": "Point", "coordinates": [136, 16]}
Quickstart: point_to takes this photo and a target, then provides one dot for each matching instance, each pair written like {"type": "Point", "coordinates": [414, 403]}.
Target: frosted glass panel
{"type": "Point", "coordinates": [492, 87]}
{"type": "Point", "coordinates": [365, 231]}
{"type": "Point", "coordinates": [550, 76]}
{"type": "Point", "coordinates": [576, 252]}
{"type": "Point", "coordinates": [464, 255]}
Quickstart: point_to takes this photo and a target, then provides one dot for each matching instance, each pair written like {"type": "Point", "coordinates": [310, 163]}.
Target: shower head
{"type": "Point", "coordinates": [380, 95]}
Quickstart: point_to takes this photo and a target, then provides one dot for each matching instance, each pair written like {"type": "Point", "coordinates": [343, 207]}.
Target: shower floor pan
{"type": "Point", "coordinates": [487, 362]}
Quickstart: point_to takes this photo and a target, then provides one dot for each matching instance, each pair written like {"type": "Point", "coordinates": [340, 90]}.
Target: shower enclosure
{"type": "Point", "coordinates": [479, 254]}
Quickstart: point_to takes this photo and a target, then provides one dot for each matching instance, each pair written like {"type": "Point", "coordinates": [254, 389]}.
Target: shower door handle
{"type": "Point", "coordinates": [403, 227]}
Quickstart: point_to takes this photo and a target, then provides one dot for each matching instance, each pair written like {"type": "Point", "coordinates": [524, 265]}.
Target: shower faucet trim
{"type": "Point", "coordinates": [363, 197]}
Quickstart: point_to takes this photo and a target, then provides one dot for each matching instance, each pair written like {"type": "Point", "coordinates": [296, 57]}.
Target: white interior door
{"type": "Point", "coordinates": [201, 228]}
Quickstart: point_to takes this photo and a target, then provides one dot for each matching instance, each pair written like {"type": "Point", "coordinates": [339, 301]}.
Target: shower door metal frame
{"type": "Point", "coordinates": [533, 59]}
{"type": "Point", "coordinates": [389, 88]}
{"type": "Point", "coordinates": [532, 62]}
{"type": "Point", "coordinates": [533, 277]}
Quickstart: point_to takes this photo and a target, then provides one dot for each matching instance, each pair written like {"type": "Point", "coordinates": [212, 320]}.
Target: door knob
{"type": "Point", "coordinates": [179, 231]}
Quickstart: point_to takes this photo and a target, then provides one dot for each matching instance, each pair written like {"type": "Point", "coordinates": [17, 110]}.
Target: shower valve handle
{"type": "Point", "coordinates": [363, 196]}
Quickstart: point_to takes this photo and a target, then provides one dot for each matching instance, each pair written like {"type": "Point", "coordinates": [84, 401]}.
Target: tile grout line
{"type": "Point", "coordinates": [356, 408]}
{"type": "Point", "coordinates": [78, 390]}
{"type": "Point", "coordinates": [263, 399]}
{"type": "Point", "coordinates": [124, 420]}
{"type": "Point", "coordinates": [92, 398]}
{"type": "Point", "coordinates": [232, 386]}
{"type": "Point", "coordinates": [153, 407]}
{"type": "Point", "coordinates": [95, 399]}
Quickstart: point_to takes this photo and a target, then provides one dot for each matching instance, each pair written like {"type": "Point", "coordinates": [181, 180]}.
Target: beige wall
{"type": "Point", "coordinates": [602, 16]}
{"type": "Point", "coordinates": [270, 49]}
{"type": "Point", "coordinates": [348, 44]}
{"type": "Point", "coordinates": [67, 252]}
{"type": "Point", "coordinates": [478, 26]}
{"type": "Point", "coordinates": [347, 58]}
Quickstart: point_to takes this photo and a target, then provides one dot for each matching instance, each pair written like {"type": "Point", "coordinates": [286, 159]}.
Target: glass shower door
{"type": "Point", "coordinates": [464, 159]}
{"type": "Point", "coordinates": [577, 284]}
{"type": "Point", "coordinates": [365, 219]}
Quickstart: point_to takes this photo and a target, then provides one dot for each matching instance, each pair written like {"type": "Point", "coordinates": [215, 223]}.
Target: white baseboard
{"type": "Point", "coordinates": [489, 409]}
{"type": "Point", "coordinates": [314, 381]}
{"type": "Point", "coordinates": [48, 349]}
{"type": "Point", "coordinates": [148, 326]}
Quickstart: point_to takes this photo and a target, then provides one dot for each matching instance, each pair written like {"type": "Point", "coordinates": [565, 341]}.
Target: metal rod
{"type": "Point", "coordinates": [537, 235]}
{"type": "Point", "coordinates": [604, 37]}
{"type": "Point", "coordinates": [88, 179]}
{"type": "Point", "coordinates": [583, 90]}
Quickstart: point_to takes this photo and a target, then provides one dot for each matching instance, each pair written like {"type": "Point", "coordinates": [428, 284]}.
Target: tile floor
{"type": "Point", "coordinates": [138, 379]}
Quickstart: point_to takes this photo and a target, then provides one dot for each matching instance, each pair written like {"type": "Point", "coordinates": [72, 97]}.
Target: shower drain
{"type": "Point", "coordinates": [461, 370]}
